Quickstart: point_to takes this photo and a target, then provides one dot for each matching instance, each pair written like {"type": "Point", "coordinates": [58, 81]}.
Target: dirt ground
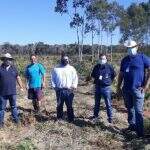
{"type": "Point", "coordinates": [44, 132]}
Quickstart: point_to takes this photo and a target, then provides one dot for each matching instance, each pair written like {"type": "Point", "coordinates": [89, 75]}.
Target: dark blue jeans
{"type": "Point", "coordinates": [12, 102]}
{"type": "Point", "coordinates": [65, 95]}
{"type": "Point", "coordinates": [104, 92]}
{"type": "Point", "coordinates": [134, 100]}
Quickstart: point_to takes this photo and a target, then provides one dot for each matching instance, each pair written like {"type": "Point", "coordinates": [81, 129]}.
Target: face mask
{"type": "Point", "coordinates": [64, 62]}
{"type": "Point", "coordinates": [132, 51]}
{"type": "Point", "coordinates": [7, 62]}
{"type": "Point", "coordinates": [102, 61]}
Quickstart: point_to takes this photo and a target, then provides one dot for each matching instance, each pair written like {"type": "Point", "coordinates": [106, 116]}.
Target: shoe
{"type": "Point", "coordinates": [60, 120]}
{"type": "Point", "coordinates": [94, 119]}
{"type": "Point", "coordinates": [71, 121]}
{"type": "Point", "coordinates": [110, 121]}
{"type": "Point", "coordinates": [140, 135]}
{"type": "Point", "coordinates": [1, 125]}
{"type": "Point", "coordinates": [17, 123]}
{"type": "Point", "coordinates": [130, 128]}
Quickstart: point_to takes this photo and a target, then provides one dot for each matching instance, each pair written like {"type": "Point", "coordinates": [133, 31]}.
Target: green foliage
{"type": "Point", "coordinates": [135, 21]}
{"type": "Point", "coordinates": [147, 126]}
{"type": "Point", "coordinates": [147, 96]}
{"type": "Point", "coordinates": [21, 63]}
{"type": "Point", "coordinates": [6, 146]}
{"type": "Point", "coordinates": [26, 144]}
{"type": "Point", "coordinates": [82, 68]}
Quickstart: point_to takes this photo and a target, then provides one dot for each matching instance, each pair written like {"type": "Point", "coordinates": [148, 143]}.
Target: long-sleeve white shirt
{"type": "Point", "coordinates": [64, 77]}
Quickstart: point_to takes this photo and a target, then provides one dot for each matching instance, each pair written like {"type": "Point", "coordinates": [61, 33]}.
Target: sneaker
{"type": "Point", "coordinates": [94, 119]}
{"type": "Point", "coordinates": [110, 121]}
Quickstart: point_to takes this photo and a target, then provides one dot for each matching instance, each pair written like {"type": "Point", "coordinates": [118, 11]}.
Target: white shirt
{"type": "Point", "coordinates": [64, 77]}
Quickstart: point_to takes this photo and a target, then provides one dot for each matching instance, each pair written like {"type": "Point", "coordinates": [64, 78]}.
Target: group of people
{"type": "Point", "coordinates": [133, 82]}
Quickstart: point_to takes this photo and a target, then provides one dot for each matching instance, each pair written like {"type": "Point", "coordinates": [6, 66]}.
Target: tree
{"type": "Point", "coordinates": [104, 16]}
{"type": "Point", "coordinates": [135, 22]}
{"type": "Point", "coordinates": [77, 18]}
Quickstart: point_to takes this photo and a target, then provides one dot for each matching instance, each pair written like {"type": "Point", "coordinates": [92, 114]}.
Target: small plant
{"type": "Point", "coordinates": [147, 96]}
{"type": "Point", "coordinates": [26, 144]}
{"type": "Point", "coordinates": [147, 126]}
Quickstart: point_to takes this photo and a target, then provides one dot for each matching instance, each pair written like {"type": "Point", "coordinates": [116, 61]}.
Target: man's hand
{"type": "Point", "coordinates": [88, 78]}
{"type": "Point", "coordinates": [73, 89]}
{"type": "Point", "coordinates": [21, 89]}
{"type": "Point", "coordinates": [143, 89]}
{"type": "Point", "coordinates": [43, 85]}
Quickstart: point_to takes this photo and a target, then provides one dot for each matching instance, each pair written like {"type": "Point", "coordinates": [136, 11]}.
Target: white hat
{"type": "Point", "coordinates": [66, 58]}
{"type": "Point", "coordinates": [7, 55]}
{"type": "Point", "coordinates": [130, 43]}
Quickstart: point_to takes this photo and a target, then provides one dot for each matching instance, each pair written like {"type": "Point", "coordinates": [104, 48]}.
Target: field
{"type": "Point", "coordinates": [44, 132]}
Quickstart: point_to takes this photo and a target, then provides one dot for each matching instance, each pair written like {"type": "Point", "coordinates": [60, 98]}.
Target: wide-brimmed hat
{"type": "Point", "coordinates": [6, 56]}
{"type": "Point", "coordinates": [130, 43]}
{"type": "Point", "coordinates": [66, 57]}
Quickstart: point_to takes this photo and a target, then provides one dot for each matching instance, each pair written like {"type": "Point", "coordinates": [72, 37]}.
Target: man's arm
{"type": "Point", "coordinates": [19, 81]}
{"type": "Point", "coordinates": [53, 79]}
{"type": "Point", "coordinates": [91, 75]}
{"type": "Point", "coordinates": [120, 79]}
{"type": "Point", "coordinates": [113, 73]}
{"type": "Point", "coordinates": [74, 79]}
{"type": "Point", "coordinates": [43, 80]}
{"type": "Point", "coordinates": [43, 72]}
{"type": "Point", "coordinates": [147, 82]}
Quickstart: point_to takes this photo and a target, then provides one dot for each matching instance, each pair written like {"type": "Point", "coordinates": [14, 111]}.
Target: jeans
{"type": "Point", "coordinates": [134, 100]}
{"type": "Point", "coordinates": [12, 102]}
{"type": "Point", "coordinates": [65, 95]}
{"type": "Point", "coordinates": [104, 92]}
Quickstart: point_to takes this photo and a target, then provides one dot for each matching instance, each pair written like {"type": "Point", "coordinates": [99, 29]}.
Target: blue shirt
{"type": "Point", "coordinates": [34, 74]}
{"type": "Point", "coordinates": [103, 74]}
{"type": "Point", "coordinates": [8, 80]}
{"type": "Point", "coordinates": [133, 69]}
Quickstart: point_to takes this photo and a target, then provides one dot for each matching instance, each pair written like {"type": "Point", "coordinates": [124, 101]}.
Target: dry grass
{"type": "Point", "coordinates": [44, 132]}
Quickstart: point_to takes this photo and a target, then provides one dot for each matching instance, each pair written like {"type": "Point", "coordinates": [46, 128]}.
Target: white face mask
{"type": "Point", "coordinates": [132, 51]}
{"type": "Point", "coordinates": [102, 61]}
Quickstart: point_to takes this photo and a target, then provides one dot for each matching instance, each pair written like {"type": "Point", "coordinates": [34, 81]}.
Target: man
{"type": "Point", "coordinates": [64, 80]}
{"type": "Point", "coordinates": [136, 83]}
{"type": "Point", "coordinates": [103, 74]}
{"type": "Point", "coordinates": [8, 77]}
{"type": "Point", "coordinates": [35, 76]}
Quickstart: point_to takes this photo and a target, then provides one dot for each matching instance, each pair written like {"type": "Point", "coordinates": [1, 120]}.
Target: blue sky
{"type": "Point", "coordinates": [28, 21]}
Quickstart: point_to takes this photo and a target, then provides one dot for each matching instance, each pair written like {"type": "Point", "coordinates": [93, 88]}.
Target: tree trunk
{"type": "Point", "coordinates": [78, 41]}
{"type": "Point", "coordinates": [92, 46]}
{"type": "Point", "coordinates": [99, 39]}
{"type": "Point", "coordinates": [111, 47]}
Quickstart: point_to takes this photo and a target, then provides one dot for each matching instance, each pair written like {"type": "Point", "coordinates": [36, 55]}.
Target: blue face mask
{"type": "Point", "coordinates": [132, 51]}
{"type": "Point", "coordinates": [102, 61]}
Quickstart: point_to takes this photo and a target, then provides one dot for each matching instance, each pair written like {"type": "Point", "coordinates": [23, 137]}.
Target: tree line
{"type": "Point", "coordinates": [41, 48]}
{"type": "Point", "coordinates": [99, 17]}
{"type": "Point", "coordinates": [95, 18]}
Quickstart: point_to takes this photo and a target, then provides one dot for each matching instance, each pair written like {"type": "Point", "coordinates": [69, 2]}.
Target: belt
{"type": "Point", "coordinates": [63, 89]}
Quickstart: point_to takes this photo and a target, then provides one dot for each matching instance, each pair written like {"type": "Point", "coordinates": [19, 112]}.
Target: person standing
{"type": "Point", "coordinates": [64, 81]}
{"type": "Point", "coordinates": [135, 83]}
{"type": "Point", "coordinates": [35, 78]}
{"type": "Point", "coordinates": [8, 78]}
{"type": "Point", "coordinates": [103, 75]}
